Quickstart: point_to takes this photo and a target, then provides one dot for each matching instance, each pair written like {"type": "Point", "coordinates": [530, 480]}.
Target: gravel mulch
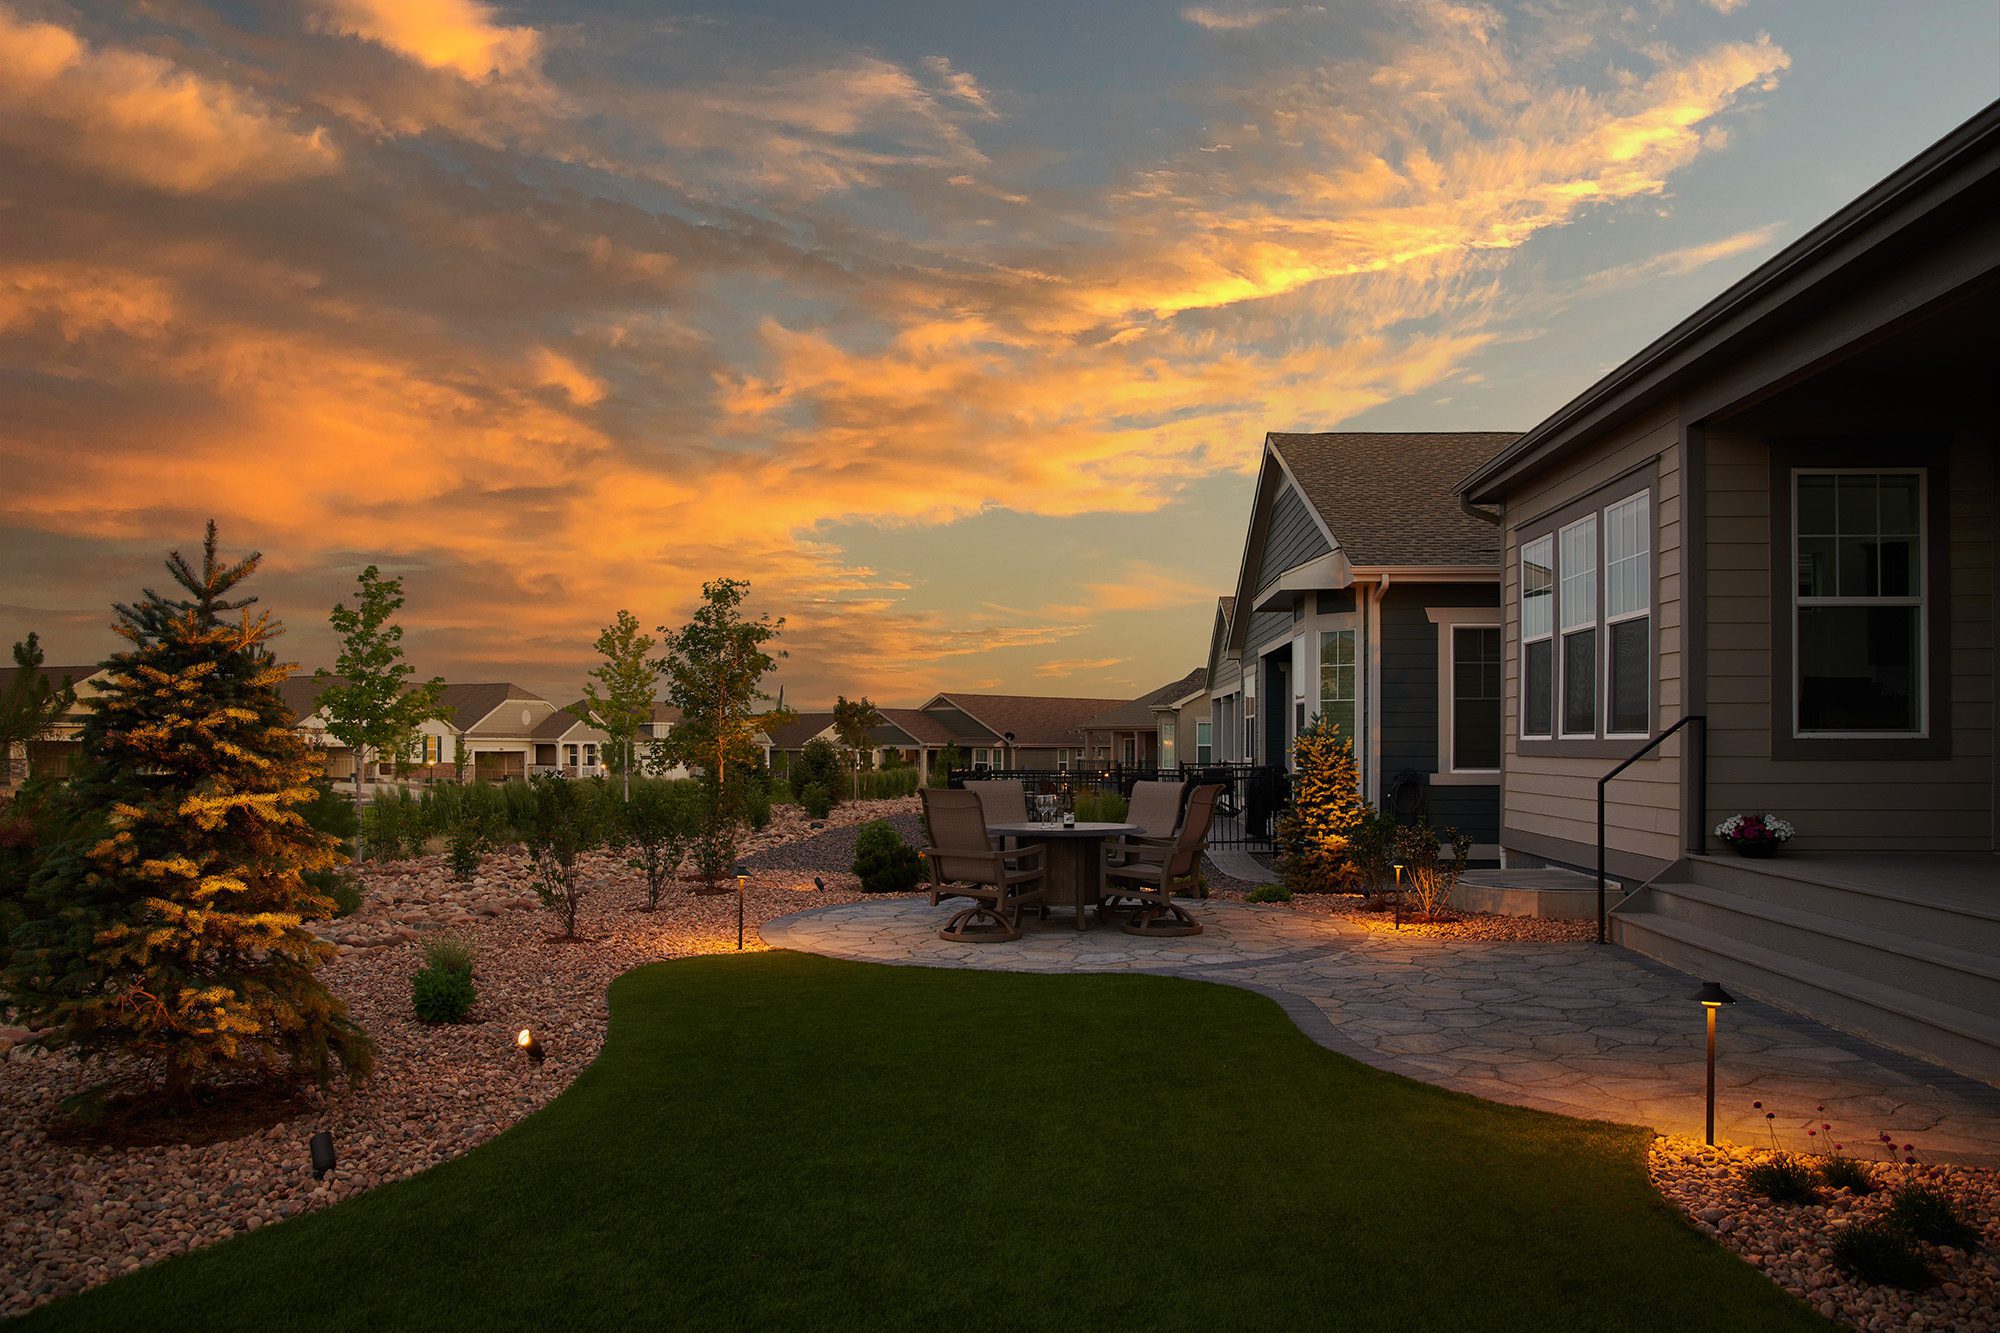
{"type": "Point", "coordinates": [833, 843]}
{"type": "Point", "coordinates": [1352, 909]}
{"type": "Point", "coordinates": [1791, 1242]}
{"type": "Point", "coordinates": [73, 1215]}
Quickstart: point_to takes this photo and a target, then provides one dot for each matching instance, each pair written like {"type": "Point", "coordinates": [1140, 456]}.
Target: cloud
{"type": "Point", "coordinates": [461, 36]}
{"type": "Point", "coordinates": [1075, 666]}
{"type": "Point", "coordinates": [1684, 260]}
{"type": "Point", "coordinates": [140, 119]}
{"type": "Point", "coordinates": [1240, 19]}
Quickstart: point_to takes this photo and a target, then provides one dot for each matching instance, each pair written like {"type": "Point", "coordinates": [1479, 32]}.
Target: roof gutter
{"type": "Point", "coordinates": [1472, 510]}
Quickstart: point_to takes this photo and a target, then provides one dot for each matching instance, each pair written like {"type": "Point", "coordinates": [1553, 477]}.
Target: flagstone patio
{"type": "Point", "coordinates": [1580, 1029]}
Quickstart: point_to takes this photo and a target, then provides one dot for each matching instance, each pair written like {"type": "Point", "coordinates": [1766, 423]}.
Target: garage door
{"type": "Point", "coordinates": [499, 765]}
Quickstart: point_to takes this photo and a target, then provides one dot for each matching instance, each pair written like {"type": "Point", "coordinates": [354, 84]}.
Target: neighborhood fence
{"type": "Point", "coordinates": [1252, 795]}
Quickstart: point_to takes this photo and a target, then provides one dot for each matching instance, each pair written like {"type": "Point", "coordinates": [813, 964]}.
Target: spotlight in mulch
{"type": "Point", "coordinates": [819, 883]}
{"type": "Point", "coordinates": [1399, 895]}
{"type": "Point", "coordinates": [322, 1154]}
{"type": "Point", "coordinates": [526, 1041]}
{"type": "Point", "coordinates": [742, 877]}
{"type": "Point", "coordinates": [1712, 998]}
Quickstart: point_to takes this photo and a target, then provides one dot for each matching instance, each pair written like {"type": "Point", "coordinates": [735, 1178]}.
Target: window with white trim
{"type": "Point", "coordinates": [1475, 698]}
{"type": "Point", "coordinates": [1628, 617]}
{"type": "Point", "coordinates": [1576, 603]}
{"type": "Point", "coordinates": [1538, 604]}
{"type": "Point", "coordinates": [1858, 605]}
{"type": "Point", "coordinates": [1338, 679]}
{"type": "Point", "coordinates": [1203, 742]}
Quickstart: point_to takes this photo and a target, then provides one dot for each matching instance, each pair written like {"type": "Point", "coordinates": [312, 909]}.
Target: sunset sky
{"type": "Point", "coordinates": [954, 327]}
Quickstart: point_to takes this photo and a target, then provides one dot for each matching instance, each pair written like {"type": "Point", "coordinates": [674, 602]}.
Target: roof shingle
{"type": "Point", "coordinates": [1387, 496]}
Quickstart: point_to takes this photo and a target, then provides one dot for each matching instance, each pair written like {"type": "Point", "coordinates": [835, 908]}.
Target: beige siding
{"type": "Point", "coordinates": [1872, 805]}
{"type": "Point", "coordinates": [1556, 797]}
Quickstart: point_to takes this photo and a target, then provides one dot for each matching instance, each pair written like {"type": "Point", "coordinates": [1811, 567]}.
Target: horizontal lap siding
{"type": "Point", "coordinates": [1556, 797]}
{"type": "Point", "coordinates": [1851, 805]}
{"type": "Point", "coordinates": [1291, 539]}
{"type": "Point", "coordinates": [1409, 687]}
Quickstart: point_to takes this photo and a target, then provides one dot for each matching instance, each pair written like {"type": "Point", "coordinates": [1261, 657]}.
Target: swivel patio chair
{"type": "Point", "coordinates": [1004, 800]}
{"type": "Point", "coordinates": [964, 863]}
{"type": "Point", "coordinates": [1152, 882]}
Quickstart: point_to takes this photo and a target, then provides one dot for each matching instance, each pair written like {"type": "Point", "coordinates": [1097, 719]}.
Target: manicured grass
{"type": "Point", "coordinates": [786, 1141]}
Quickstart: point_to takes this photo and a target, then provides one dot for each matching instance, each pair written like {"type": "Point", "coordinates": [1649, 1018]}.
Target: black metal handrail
{"type": "Point", "coordinates": [1700, 788]}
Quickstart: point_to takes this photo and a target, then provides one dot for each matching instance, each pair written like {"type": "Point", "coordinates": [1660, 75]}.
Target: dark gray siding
{"type": "Point", "coordinates": [1290, 538]}
{"type": "Point", "coordinates": [1410, 702]}
{"type": "Point", "coordinates": [1266, 626]}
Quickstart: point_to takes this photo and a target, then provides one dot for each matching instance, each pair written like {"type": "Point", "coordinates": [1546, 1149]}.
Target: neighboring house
{"type": "Point", "coordinates": [1226, 741]}
{"type": "Point", "coordinates": [904, 736]}
{"type": "Point", "coordinates": [566, 744]}
{"type": "Point", "coordinates": [1779, 516]}
{"type": "Point", "coordinates": [499, 723]}
{"type": "Point", "coordinates": [1368, 597]}
{"type": "Point", "coordinates": [1017, 730]}
{"type": "Point", "coordinates": [50, 756]}
{"type": "Point", "coordinates": [1153, 730]}
{"type": "Point", "coordinates": [300, 693]}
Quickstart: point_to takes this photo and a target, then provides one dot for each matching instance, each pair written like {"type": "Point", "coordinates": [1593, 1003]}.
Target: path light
{"type": "Point", "coordinates": [526, 1041]}
{"type": "Point", "coordinates": [322, 1154]}
{"type": "Point", "coordinates": [1712, 998]}
{"type": "Point", "coordinates": [1399, 894]}
{"type": "Point", "coordinates": [742, 877]}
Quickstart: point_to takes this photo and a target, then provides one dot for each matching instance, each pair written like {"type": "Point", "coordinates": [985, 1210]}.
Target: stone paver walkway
{"type": "Point", "coordinates": [1579, 1029]}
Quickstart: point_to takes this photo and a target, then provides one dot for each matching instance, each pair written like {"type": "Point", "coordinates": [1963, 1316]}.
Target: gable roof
{"type": "Point", "coordinates": [300, 693]}
{"type": "Point", "coordinates": [802, 728]}
{"type": "Point", "coordinates": [561, 722]}
{"type": "Point", "coordinates": [76, 675]}
{"type": "Point", "coordinates": [1037, 721]}
{"type": "Point", "coordinates": [918, 725]}
{"type": "Point", "coordinates": [1386, 495]}
{"type": "Point", "coordinates": [466, 706]}
{"type": "Point", "coordinates": [1960, 161]}
{"type": "Point", "coordinates": [1138, 713]}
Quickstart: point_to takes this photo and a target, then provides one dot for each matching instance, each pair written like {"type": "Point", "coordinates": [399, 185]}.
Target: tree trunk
{"type": "Point", "coordinates": [358, 752]}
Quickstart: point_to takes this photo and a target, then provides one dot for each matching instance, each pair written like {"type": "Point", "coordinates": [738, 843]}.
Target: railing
{"type": "Point", "coordinates": [1252, 796]}
{"type": "Point", "coordinates": [1700, 793]}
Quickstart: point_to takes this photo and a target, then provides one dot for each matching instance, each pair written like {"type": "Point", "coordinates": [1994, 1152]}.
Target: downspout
{"type": "Point", "coordinates": [1374, 700]}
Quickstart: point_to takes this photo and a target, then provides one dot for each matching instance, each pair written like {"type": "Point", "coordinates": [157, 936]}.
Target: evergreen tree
{"type": "Point", "coordinates": [174, 927]}
{"type": "Point", "coordinates": [31, 705]}
{"type": "Point", "coordinates": [1313, 835]}
{"type": "Point", "coordinates": [630, 678]}
{"type": "Point", "coordinates": [369, 708]}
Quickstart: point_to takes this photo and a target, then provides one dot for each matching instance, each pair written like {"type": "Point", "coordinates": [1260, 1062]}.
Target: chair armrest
{"type": "Point", "coordinates": [1030, 852]}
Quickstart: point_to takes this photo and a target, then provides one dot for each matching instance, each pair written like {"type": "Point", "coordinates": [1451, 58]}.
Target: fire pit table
{"type": "Point", "coordinates": [1075, 860]}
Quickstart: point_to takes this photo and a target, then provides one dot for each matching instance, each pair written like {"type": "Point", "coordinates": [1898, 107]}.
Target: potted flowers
{"type": "Point", "coordinates": [1754, 835]}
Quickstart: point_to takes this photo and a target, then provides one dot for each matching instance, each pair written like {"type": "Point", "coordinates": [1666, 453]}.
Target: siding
{"type": "Point", "coordinates": [1856, 805]}
{"type": "Point", "coordinates": [1409, 702]}
{"type": "Point", "coordinates": [1266, 627]}
{"type": "Point", "coordinates": [1291, 537]}
{"type": "Point", "coordinates": [1555, 797]}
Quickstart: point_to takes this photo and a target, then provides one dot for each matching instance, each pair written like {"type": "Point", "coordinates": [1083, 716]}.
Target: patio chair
{"type": "Point", "coordinates": [1003, 801]}
{"type": "Point", "coordinates": [1152, 883]}
{"type": "Point", "coordinates": [964, 863]}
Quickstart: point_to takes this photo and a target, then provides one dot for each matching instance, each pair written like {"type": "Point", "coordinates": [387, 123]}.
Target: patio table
{"type": "Point", "coordinates": [1075, 863]}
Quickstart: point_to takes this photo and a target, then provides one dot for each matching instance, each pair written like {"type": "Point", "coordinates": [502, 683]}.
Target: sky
{"type": "Point", "coordinates": [955, 328]}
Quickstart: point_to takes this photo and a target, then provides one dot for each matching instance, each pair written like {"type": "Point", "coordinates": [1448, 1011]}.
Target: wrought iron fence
{"type": "Point", "coordinates": [1252, 796]}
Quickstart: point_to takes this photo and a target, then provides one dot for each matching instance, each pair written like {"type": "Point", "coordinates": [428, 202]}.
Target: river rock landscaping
{"type": "Point", "coordinates": [77, 1214]}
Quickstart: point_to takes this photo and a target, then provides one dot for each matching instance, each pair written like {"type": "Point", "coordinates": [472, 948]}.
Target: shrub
{"type": "Point", "coordinates": [1881, 1254]}
{"type": "Point", "coordinates": [815, 800]}
{"type": "Point", "coordinates": [819, 764]}
{"type": "Point", "coordinates": [948, 758]}
{"type": "Point", "coordinates": [345, 890]}
{"type": "Point", "coordinates": [886, 784]}
{"type": "Point", "coordinates": [1847, 1174]}
{"type": "Point", "coordinates": [1371, 850]}
{"type": "Point", "coordinates": [1099, 807]}
{"type": "Point", "coordinates": [1268, 893]}
{"type": "Point", "coordinates": [448, 953]}
{"type": "Point", "coordinates": [659, 822]}
{"type": "Point", "coordinates": [1784, 1179]}
{"type": "Point", "coordinates": [754, 797]}
{"type": "Point", "coordinates": [442, 995]}
{"type": "Point", "coordinates": [1428, 877]}
{"type": "Point", "coordinates": [1928, 1214]}
{"type": "Point", "coordinates": [885, 863]}
{"type": "Point", "coordinates": [394, 825]}
{"type": "Point", "coordinates": [562, 826]}
{"type": "Point", "coordinates": [716, 841]}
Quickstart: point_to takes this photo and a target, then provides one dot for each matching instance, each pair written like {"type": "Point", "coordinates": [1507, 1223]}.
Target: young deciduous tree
{"type": "Point", "coordinates": [561, 824]}
{"type": "Point", "coordinates": [31, 705]}
{"type": "Point", "coordinates": [369, 707]}
{"type": "Point", "coordinates": [660, 821]}
{"type": "Point", "coordinates": [1326, 806]}
{"type": "Point", "coordinates": [175, 912]}
{"type": "Point", "coordinates": [630, 678]}
{"type": "Point", "coordinates": [853, 719]}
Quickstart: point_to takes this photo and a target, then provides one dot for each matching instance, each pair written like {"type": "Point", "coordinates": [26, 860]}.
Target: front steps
{"type": "Point", "coordinates": [1884, 950]}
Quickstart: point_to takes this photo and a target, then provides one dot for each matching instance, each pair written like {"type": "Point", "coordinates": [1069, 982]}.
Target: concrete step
{"type": "Point", "coordinates": [1968, 978]}
{"type": "Point", "coordinates": [1947, 1034]}
{"type": "Point", "coordinates": [1908, 906]}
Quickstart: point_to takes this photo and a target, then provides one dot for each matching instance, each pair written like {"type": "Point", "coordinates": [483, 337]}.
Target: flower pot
{"type": "Point", "coordinates": [1760, 850]}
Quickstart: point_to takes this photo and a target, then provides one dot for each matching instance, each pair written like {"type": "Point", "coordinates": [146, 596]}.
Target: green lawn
{"type": "Point", "coordinates": [776, 1140]}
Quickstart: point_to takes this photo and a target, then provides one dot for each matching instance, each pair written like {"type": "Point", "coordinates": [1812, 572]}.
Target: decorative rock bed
{"type": "Point", "coordinates": [1791, 1242]}
{"type": "Point", "coordinates": [72, 1215]}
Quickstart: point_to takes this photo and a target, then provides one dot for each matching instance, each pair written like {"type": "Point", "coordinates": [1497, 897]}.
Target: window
{"type": "Point", "coordinates": [1204, 748]}
{"type": "Point", "coordinates": [590, 755]}
{"type": "Point", "coordinates": [1167, 739]}
{"type": "Point", "coordinates": [1628, 617]}
{"type": "Point", "coordinates": [1131, 749]}
{"type": "Point", "coordinates": [1337, 679]}
{"type": "Point", "coordinates": [1576, 600]}
{"type": "Point", "coordinates": [1537, 636]}
{"type": "Point", "coordinates": [569, 756]}
{"type": "Point", "coordinates": [1475, 698]}
{"type": "Point", "coordinates": [1858, 607]}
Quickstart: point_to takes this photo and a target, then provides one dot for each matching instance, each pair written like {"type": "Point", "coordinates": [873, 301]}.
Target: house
{"type": "Point", "coordinates": [498, 723]}
{"type": "Point", "coordinates": [1366, 596]}
{"type": "Point", "coordinates": [50, 756]}
{"type": "Point", "coordinates": [1153, 730]}
{"type": "Point", "coordinates": [300, 694]}
{"type": "Point", "coordinates": [1017, 731]}
{"type": "Point", "coordinates": [1778, 518]}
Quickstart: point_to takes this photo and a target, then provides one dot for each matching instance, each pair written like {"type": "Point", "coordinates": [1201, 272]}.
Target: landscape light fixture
{"type": "Point", "coordinates": [742, 877]}
{"type": "Point", "coordinates": [1399, 894]}
{"type": "Point", "coordinates": [1712, 998]}
{"type": "Point", "coordinates": [322, 1154]}
{"type": "Point", "coordinates": [526, 1041]}
{"type": "Point", "coordinates": [819, 883]}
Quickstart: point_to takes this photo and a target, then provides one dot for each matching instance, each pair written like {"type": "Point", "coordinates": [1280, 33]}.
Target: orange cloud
{"type": "Point", "coordinates": [461, 36]}
{"type": "Point", "coordinates": [138, 118]}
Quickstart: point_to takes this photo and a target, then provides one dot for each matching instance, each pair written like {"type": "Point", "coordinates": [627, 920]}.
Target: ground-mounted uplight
{"type": "Point", "coordinates": [1712, 998]}
{"type": "Point", "coordinates": [322, 1154]}
{"type": "Point", "coordinates": [530, 1047]}
{"type": "Point", "coordinates": [819, 883]}
{"type": "Point", "coordinates": [742, 878]}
